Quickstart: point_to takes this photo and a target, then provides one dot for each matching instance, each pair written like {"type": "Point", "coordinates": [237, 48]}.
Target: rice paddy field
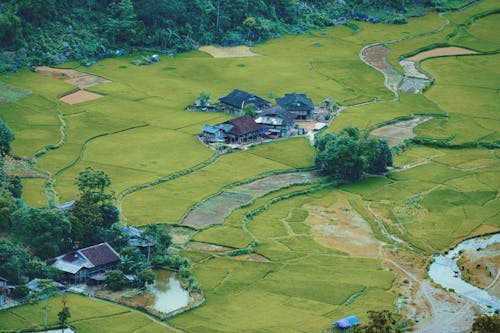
{"type": "Point", "coordinates": [306, 254]}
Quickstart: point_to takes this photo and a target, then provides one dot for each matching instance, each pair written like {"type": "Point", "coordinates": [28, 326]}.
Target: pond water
{"type": "Point", "coordinates": [165, 295]}
{"type": "Point", "coordinates": [443, 272]}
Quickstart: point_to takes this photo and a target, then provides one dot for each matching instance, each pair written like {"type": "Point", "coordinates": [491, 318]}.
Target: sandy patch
{"type": "Point", "coordinates": [228, 52]}
{"type": "Point", "coordinates": [76, 78]}
{"type": "Point", "coordinates": [180, 235]}
{"type": "Point", "coordinates": [340, 227]}
{"type": "Point", "coordinates": [206, 247]}
{"type": "Point", "coordinates": [397, 132]}
{"type": "Point", "coordinates": [80, 96]}
{"type": "Point", "coordinates": [441, 51]}
{"type": "Point", "coordinates": [252, 257]}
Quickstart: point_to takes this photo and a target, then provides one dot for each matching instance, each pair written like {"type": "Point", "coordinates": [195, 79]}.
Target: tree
{"type": "Point", "coordinates": [203, 98]}
{"type": "Point", "coordinates": [145, 277]}
{"type": "Point", "coordinates": [6, 137]}
{"type": "Point", "coordinates": [13, 262]}
{"type": "Point", "coordinates": [86, 221]}
{"type": "Point", "coordinates": [339, 157]}
{"type": "Point", "coordinates": [379, 156]}
{"type": "Point", "coordinates": [45, 289]}
{"type": "Point", "coordinates": [92, 184]}
{"type": "Point", "coordinates": [380, 322]}
{"type": "Point", "coordinates": [64, 314]}
{"type": "Point", "coordinates": [486, 324]}
{"type": "Point", "coordinates": [133, 261]}
{"type": "Point", "coordinates": [116, 280]}
{"type": "Point", "coordinates": [121, 23]}
{"type": "Point", "coordinates": [46, 230]}
{"type": "Point", "coordinates": [249, 109]}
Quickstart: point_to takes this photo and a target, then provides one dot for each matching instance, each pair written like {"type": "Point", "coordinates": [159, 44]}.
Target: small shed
{"type": "Point", "coordinates": [346, 324]}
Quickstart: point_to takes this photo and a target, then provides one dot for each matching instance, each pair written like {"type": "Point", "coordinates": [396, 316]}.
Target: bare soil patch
{"type": "Point", "coordinates": [377, 56]}
{"type": "Point", "coordinates": [80, 96]}
{"type": "Point", "coordinates": [265, 185]}
{"type": "Point", "coordinates": [181, 235]}
{"type": "Point", "coordinates": [206, 247]}
{"type": "Point", "coordinates": [441, 51]}
{"type": "Point", "coordinates": [339, 226]}
{"type": "Point", "coordinates": [228, 52]}
{"type": "Point", "coordinates": [215, 210]}
{"type": "Point", "coordinates": [397, 132]}
{"type": "Point", "coordinates": [252, 257]}
{"type": "Point", "coordinates": [76, 78]}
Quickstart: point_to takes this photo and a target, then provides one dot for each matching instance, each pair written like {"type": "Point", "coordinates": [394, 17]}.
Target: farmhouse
{"type": "Point", "coordinates": [238, 130]}
{"type": "Point", "coordinates": [237, 99]}
{"type": "Point", "coordinates": [277, 120]}
{"type": "Point", "coordinates": [298, 104]}
{"type": "Point", "coordinates": [137, 239]}
{"type": "Point", "coordinates": [215, 133]}
{"type": "Point", "coordinates": [87, 264]}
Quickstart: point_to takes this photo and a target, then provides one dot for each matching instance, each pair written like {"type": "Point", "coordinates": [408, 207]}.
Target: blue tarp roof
{"type": "Point", "coordinates": [347, 322]}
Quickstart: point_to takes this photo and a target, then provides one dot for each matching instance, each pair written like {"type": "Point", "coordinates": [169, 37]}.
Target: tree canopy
{"type": "Point", "coordinates": [348, 155]}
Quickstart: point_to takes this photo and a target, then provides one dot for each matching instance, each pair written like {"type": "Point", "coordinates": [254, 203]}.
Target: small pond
{"type": "Point", "coordinates": [165, 295]}
{"type": "Point", "coordinates": [445, 272]}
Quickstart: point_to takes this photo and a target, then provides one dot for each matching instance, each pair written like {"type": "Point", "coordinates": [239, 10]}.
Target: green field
{"type": "Point", "coordinates": [140, 134]}
{"type": "Point", "coordinates": [86, 315]}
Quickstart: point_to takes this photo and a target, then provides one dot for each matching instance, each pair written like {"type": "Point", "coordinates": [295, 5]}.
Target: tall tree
{"type": "Point", "coordinates": [64, 314]}
{"type": "Point", "coordinates": [45, 230]}
{"type": "Point", "coordinates": [6, 137]}
{"type": "Point", "coordinates": [93, 184]}
{"type": "Point", "coordinates": [121, 23]}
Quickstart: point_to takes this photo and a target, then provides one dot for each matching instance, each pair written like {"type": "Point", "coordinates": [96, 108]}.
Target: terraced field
{"type": "Point", "coordinates": [301, 256]}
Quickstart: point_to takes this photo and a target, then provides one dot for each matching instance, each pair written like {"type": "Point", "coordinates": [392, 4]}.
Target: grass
{"type": "Point", "coordinates": [86, 315]}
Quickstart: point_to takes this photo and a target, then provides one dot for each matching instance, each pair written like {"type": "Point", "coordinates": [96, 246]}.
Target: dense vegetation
{"type": "Point", "coordinates": [55, 31]}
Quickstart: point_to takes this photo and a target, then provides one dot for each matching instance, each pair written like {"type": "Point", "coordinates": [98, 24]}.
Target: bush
{"type": "Point", "coordinates": [20, 291]}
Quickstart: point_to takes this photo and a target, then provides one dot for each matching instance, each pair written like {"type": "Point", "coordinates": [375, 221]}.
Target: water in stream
{"type": "Point", "coordinates": [443, 272]}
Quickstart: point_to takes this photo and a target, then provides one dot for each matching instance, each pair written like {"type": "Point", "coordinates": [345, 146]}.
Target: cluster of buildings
{"type": "Point", "coordinates": [268, 120]}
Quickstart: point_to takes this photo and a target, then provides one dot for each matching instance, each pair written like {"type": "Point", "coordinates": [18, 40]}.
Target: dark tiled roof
{"type": "Point", "coordinates": [244, 125]}
{"type": "Point", "coordinates": [100, 254]}
{"type": "Point", "coordinates": [296, 102]}
{"type": "Point", "coordinates": [239, 98]}
{"type": "Point", "coordinates": [280, 112]}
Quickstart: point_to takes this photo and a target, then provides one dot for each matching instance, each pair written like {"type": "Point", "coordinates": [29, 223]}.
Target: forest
{"type": "Point", "coordinates": [51, 32]}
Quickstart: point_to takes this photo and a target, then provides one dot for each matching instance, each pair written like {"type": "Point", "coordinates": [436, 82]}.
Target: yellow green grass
{"type": "Point", "coordinates": [86, 315]}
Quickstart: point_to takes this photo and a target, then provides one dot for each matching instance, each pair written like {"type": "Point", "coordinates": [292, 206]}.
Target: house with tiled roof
{"type": "Point", "coordinates": [237, 99]}
{"type": "Point", "coordinates": [277, 120]}
{"type": "Point", "coordinates": [297, 104]}
{"type": "Point", "coordinates": [238, 130]}
{"type": "Point", "coordinates": [90, 263]}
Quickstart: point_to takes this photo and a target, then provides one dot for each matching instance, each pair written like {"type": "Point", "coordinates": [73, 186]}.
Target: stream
{"type": "Point", "coordinates": [442, 271]}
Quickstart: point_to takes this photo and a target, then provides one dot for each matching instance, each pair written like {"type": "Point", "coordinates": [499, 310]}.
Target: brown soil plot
{"type": "Point", "coordinates": [441, 51]}
{"type": "Point", "coordinates": [80, 96]}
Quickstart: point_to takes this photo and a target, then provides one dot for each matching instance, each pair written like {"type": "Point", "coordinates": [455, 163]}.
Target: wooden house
{"type": "Point", "coordinates": [217, 133]}
{"type": "Point", "coordinates": [89, 263]}
{"type": "Point", "coordinates": [277, 120]}
{"type": "Point", "coordinates": [237, 99]}
{"type": "Point", "coordinates": [297, 104]}
{"type": "Point", "coordinates": [244, 129]}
